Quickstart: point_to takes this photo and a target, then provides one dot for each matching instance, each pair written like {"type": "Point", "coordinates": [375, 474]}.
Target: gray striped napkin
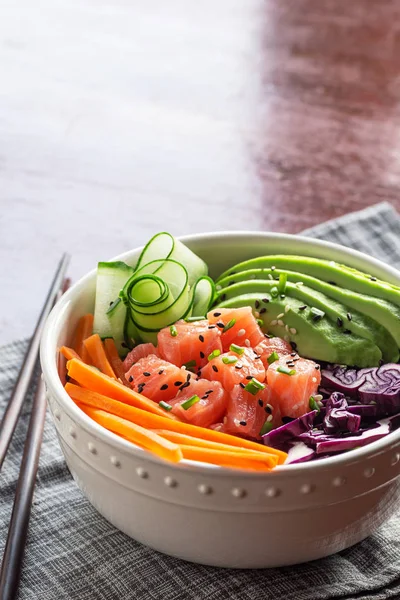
{"type": "Point", "coordinates": [72, 552]}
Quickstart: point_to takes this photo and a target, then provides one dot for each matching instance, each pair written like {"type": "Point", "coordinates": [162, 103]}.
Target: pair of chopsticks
{"type": "Point", "coordinates": [18, 528]}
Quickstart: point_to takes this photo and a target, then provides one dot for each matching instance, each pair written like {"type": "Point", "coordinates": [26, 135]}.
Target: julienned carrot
{"type": "Point", "coordinates": [225, 458]}
{"type": "Point", "coordinates": [83, 330]}
{"type": "Point", "coordinates": [189, 440]}
{"type": "Point", "coordinates": [97, 355]}
{"type": "Point", "coordinates": [155, 421]}
{"type": "Point", "coordinates": [114, 360]}
{"type": "Point", "coordinates": [69, 353]}
{"type": "Point", "coordinates": [93, 380]}
{"type": "Point", "coordinates": [136, 434]}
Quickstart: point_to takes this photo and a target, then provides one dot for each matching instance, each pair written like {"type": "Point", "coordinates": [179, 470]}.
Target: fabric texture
{"type": "Point", "coordinates": [72, 552]}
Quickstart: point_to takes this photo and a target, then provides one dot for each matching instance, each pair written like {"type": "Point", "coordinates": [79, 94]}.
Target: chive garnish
{"type": "Point", "coordinates": [272, 358]}
{"type": "Point", "coordinates": [314, 404]}
{"type": "Point", "coordinates": [274, 291]}
{"type": "Point", "coordinates": [229, 325]}
{"type": "Point", "coordinates": [229, 360]}
{"type": "Point", "coordinates": [214, 354]}
{"type": "Point", "coordinates": [189, 364]}
{"type": "Point", "coordinates": [188, 403]}
{"type": "Point", "coordinates": [316, 313]}
{"type": "Point", "coordinates": [286, 371]}
{"type": "Point", "coordinates": [282, 283]}
{"type": "Point", "coordinates": [173, 331]}
{"type": "Point", "coordinates": [236, 349]}
{"type": "Point", "coordinates": [165, 405]}
{"type": "Point", "coordinates": [254, 386]}
{"type": "Point", "coordinates": [260, 322]}
{"type": "Point", "coordinates": [266, 428]}
{"type": "Point", "coordinates": [192, 319]}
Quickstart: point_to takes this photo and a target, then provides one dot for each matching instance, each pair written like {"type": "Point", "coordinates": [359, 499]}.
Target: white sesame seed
{"type": "Point", "coordinates": [218, 287]}
{"type": "Point", "coordinates": [280, 323]}
{"type": "Point", "coordinates": [280, 315]}
{"type": "Point", "coordinates": [293, 331]}
{"type": "Point", "coordinates": [183, 367]}
{"type": "Point", "coordinates": [270, 276]}
{"type": "Point", "coordinates": [287, 308]}
{"type": "Point", "coordinates": [287, 327]}
{"type": "Point", "coordinates": [318, 397]}
{"type": "Point", "coordinates": [241, 332]}
{"type": "Point", "coordinates": [247, 342]}
{"type": "Point", "coordinates": [298, 283]}
{"type": "Point", "coordinates": [314, 380]}
{"type": "Point", "coordinates": [269, 406]}
{"type": "Point", "coordinates": [269, 418]}
{"type": "Point", "coordinates": [274, 322]}
{"type": "Point", "coordinates": [257, 314]}
{"type": "Point", "coordinates": [252, 276]}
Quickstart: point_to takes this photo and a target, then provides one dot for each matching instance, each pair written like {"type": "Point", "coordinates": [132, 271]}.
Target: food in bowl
{"type": "Point", "coordinates": [281, 359]}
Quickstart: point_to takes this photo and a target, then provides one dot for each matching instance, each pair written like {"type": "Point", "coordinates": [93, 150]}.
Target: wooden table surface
{"type": "Point", "coordinates": [119, 119]}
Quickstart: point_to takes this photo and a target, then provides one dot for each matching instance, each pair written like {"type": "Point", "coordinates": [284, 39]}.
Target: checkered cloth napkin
{"type": "Point", "coordinates": [72, 552]}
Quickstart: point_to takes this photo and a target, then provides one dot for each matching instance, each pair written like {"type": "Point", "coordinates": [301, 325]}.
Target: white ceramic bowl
{"type": "Point", "coordinates": [218, 516]}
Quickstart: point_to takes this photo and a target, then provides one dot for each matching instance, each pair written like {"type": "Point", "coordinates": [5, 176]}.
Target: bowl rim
{"type": "Point", "coordinates": [51, 376]}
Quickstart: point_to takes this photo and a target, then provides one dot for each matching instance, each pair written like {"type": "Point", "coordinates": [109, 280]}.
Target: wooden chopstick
{"type": "Point", "coordinates": [15, 544]}
{"type": "Point", "coordinates": [14, 407]}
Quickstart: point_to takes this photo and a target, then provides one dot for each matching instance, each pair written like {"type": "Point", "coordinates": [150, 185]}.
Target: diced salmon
{"type": "Point", "coordinates": [158, 379]}
{"type": "Point", "coordinates": [270, 345]}
{"type": "Point", "coordinates": [192, 342]}
{"type": "Point", "coordinates": [292, 392]}
{"type": "Point", "coordinates": [244, 331]}
{"type": "Point", "coordinates": [240, 369]}
{"type": "Point", "coordinates": [247, 413]}
{"type": "Point", "coordinates": [208, 410]}
{"type": "Point", "coordinates": [138, 352]}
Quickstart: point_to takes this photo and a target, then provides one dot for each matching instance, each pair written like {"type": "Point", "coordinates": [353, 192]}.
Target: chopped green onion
{"type": "Point", "coordinates": [260, 322]}
{"type": "Point", "coordinates": [173, 331]}
{"type": "Point", "coordinates": [266, 428]}
{"type": "Point", "coordinates": [113, 305]}
{"type": "Point", "coordinates": [317, 314]}
{"type": "Point", "coordinates": [188, 403]}
{"type": "Point", "coordinates": [189, 364]}
{"type": "Point", "coordinates": [314, 404]}
{"type": "Point", "coordinates": [282, 283]}
{"type": "Point", "coordinates": [274, 291]}
{"type": "Point", "coordinates": [229, 360]}
{"type": "Point", "coordinates": [237, 349]}
{"type": "Point", "coordinates": [214, 354]}
{"type": "Point", "coordinates": [230, 324]}
{"type": "Point", "coordinates": [254, 386]}
{"type": "Point", "coordinates": [193, 319]}
{"type": "Point", "coordinates": [286, 371]}
{"type": "Point", "coordinates": [272, 358]}
{"type": "Point", "coordinates": [165, 405]}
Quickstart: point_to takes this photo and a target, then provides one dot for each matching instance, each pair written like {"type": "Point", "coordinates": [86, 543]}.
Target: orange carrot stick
{"type": "Point", "coordinates": [155, 421]}
{"type": "Point", "coordinates": [93, 380]}
{"type": "Point", "coordinates": [225, 458]}
{"type": "Point", "coordinates": [190, 440]}
{"type": "Point", "coordinates": [114, 360]}
{"type": "Point", "coordinates": [83, 330]}
{"type": "Point", "coordinates": [69, 353]}
{"type": "Point", "coordinates": [136, 434]}
{"type": "Point", "coordinates": [97, 355]}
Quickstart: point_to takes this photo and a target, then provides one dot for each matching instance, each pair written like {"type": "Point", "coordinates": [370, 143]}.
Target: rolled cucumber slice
{"type": "Point", "coordinates": [109, 313]}
{"type": "Point", "coordinates": [203, 297]}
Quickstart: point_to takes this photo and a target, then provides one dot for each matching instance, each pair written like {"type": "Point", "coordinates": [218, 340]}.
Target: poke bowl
{"type": "Point", "coordinates": [209, 513]}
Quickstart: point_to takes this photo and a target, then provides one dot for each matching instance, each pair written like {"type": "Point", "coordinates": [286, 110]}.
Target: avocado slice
{"type": "Point", "coordinates": [325, 270]}
{"type": "Point", "coordinates": [313, 336]}
{"type": "Point", "coordinates": [359, 324]}
{"type": "Point", "coordinates": [384, 312]}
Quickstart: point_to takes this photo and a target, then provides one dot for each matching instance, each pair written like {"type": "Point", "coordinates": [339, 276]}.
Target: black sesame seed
{"type": "Point", "coordinates": [161, 371]}
{"type": "Point", "coordinates": [243, 423]}
{"type": "Point", "coordinates": [201, 338]}
{"type": "Point", "coordinates": [283, 296]}
{"type": "Point", "coordinates": [260, 403]}
{"type": "Point", "coordinates": [204, 397]}
{"type": "Point", "coordinates": [316, 318]}
{"type": "Point", "coordinates": [146, 374]}
{"type": "Point", "coordinates": [268, 410]}
{"type": "Point", "coordinates": [140, 387]}
{"type": "Point", "coordinates": [242, 385]}
{"type": "Point", "coordinates": [130, 379]}
{"type": "Point", "coordinates": [349, 316]}
{"type": "Point", "coordinates": [293, 354]}
{"type": "Point", "coordinates": [124, 345]}
{"type": "Point", "coordinates": [112, 302]}
{"type": "Point", "coordinates": [239, 366]}
{"type": "Point", "coordinates": [303, 307]}
{"type": "Point", "coordinates": [257, 304]}
{"type": "Point", "coordinates": [202, 355]}
{"type": "Point", "coordinates": [294, 345]}
{"type": "Point", "coordinates": [164, 387]}
{"type": "Point", "coordinates": [223, 297]}
{"type": "Point", "coordinates": [317, 367]}
{"type": "Point", "coordinates": [289, 362]}
{"type": "Point", "coordinates": [188, 377]}
{"type": "Point", "coordinates": [331, 283]}
{"type": "Point", "coordinates": [178, 383]}
{"type": "Point", "coordinates": [263, 310]}
{"type": "Point", "coordinates": [339, 322]}
{"type": "Point", "coordinates": [217, 314]}
{"type": "Point", "coordinates": [373, 278]}
{"type": "Point", "coordinates": [215, 368]}
{"type": "Point", "coordinates": [185, 385]}
{"type": "Point", "coordinates": [295, 359]}
{"type": "Point", "coordinates": [249, 377]}
{"type": "Point", "coordinates": [211, 327]}
{"type": "Point", "coordinates": [265, 300]}
{"type": "Point", "coordinates": [209, 392]}
{"type": "Point", "coordinates": [220, 324]}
